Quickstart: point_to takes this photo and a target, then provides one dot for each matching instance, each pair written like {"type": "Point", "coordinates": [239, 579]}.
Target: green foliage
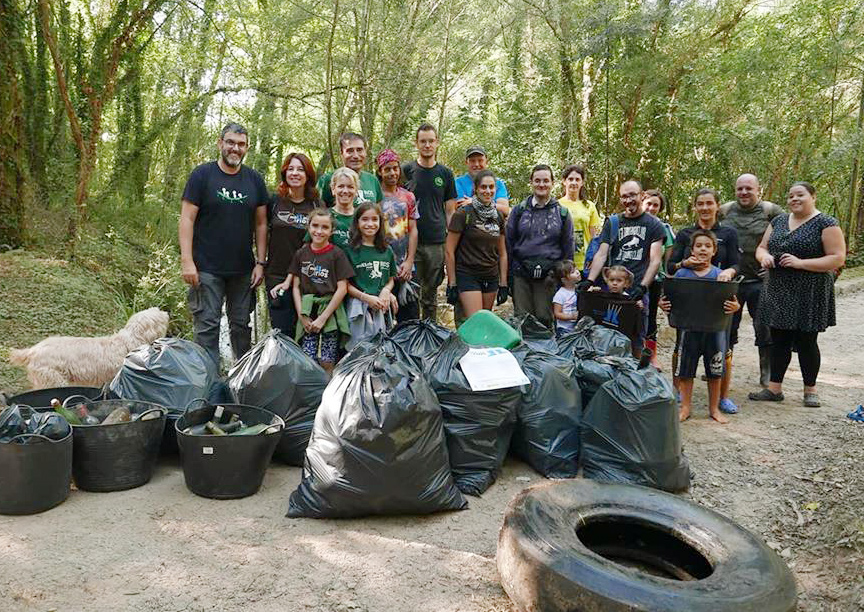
{"type": "Point", "coordinates": [162, 286]}
{"type": "Point", "coordinates": [44, 296]}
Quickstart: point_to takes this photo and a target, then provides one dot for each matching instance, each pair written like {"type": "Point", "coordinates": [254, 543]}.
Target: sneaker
{"type": "Point", "coordinates": [728, 406]}
{"type": "Point", "coordinates": [811, 400]}
{"type": "Point", "coordinates": [765, 395]}
{"type": "Point", "coordinates": [857, 414]}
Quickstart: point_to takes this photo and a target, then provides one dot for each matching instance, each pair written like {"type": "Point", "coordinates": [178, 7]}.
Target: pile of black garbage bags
{"type": "Point", "coordinates": [398, 429]}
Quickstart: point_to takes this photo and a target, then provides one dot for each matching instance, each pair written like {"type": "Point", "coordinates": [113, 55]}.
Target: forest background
{"type": "Point", "coordinates": [105, 106]}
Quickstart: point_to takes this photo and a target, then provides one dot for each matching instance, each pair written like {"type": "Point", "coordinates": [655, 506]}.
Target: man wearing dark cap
{"type": "Point", "coordinates": [477, 160]}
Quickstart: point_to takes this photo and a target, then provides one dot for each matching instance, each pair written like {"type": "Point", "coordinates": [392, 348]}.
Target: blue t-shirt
{"type": "Point", "coordinates": [713, 273]}
{"type": "Point", "coordinates": [465, 187]}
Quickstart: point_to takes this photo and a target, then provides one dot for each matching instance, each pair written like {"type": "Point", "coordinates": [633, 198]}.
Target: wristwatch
{"type": "Point", "coordinates": [261, 263]}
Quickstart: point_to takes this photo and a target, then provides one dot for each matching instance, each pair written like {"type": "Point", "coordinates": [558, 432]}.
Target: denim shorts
{"type": "Point", "coordinates": [468, 282]}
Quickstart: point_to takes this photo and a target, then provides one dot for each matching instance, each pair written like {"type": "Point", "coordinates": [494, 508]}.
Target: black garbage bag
{"type": "Point", "coordinates": [170, 372]}
{"type": "Point", "coordinates": [419, 339]}
{"type": "Point", "coordinates": [278, 376]}
{"type": "Point", "coordinates": [631, 433]}
{"type": "Point", "coordinates": [534, 334]}
{"type": "Point", "coordinates": [478, 424]}
{"type": "Point", "coordinates": [23, 425]}
{"type": "Point", "coordinates": [378, 443]}
{"type": "Point", "coordinates": [588, 340]}
{"type": "Point", "coordinates": [547, 426]}
{"type": "Point", "coordinates": [592, 373]}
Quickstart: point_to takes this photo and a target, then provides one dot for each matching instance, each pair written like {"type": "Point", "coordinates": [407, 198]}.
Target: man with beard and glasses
{"type": "Point", "coordinates": [224, 203]}
{"type": "Point", "coordinates": [637, 245]}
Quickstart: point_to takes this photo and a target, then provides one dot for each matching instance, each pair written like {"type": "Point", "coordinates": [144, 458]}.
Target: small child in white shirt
{"type": "Point", "coordinates": [564, 301]}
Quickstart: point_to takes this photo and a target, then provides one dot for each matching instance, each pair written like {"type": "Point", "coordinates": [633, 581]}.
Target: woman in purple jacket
{"type": "Point", "coordinates": [539, 235]}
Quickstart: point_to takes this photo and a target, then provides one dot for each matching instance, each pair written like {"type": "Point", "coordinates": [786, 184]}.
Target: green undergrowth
{"type": "Point", "coordinates": [43, 296]}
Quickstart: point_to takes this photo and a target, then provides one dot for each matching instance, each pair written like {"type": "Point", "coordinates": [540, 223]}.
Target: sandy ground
{"type": "Point", "coordinates": [788, 473]}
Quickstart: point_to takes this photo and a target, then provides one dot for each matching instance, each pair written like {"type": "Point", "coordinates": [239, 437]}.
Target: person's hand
{"type": "Point", "coordinates": [690, 262]}
{"type": "Point", "coordinates": [404, 271]}
{"type": "Point", "coordinates": [638, 292]}
{"type": "Point", "coordinates": [787, 260]}
{"type": "Point", "coordinates": [307, 324]}
{"type": "Point", "coordinates": [374, 301]}
{"type": "Point", "coordinates": [283, 286]}
{"type": "Point", "coordinates": [190, 273]}
{"type": "Point", "coordinates": [665, 304]}
{"type": "Point", "coordinates": [462, 201]}
{"type": "Point", "coordinates": [767, 261]}
{"type": "Point", "coordinates": [503, 294]}
{"type": "Point", "coordinates": [452, 295]}
{"type": "Point", "coordinates": [384, 296]}
{"type": "Point", "coordinates": [593, 288]}
{"type": "Point", "coordinates": [585, 284]}
{"type": "Point", "coordinates": [317, 325]}
{"type": "Point", "coordinates": [726, 275]}
{"type": "Point", "coordinates": [257, 275]}
{"type": "Point", "coordinates": [640, 305]}
{"type": "Point", "coordinates": [394, 304]}
{"type": "Point", "coordinates": [731, 305]}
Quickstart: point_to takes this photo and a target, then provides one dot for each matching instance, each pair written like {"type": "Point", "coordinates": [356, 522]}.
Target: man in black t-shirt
{"type": "Point", "coordinates": [638, 246]}
{"type": "Point", "coordinates": [434, 188]}
{"type": "Point", "coordinates": [224, 202]}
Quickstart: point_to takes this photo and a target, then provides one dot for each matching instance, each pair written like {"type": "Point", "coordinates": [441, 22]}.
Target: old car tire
{"type": "Point", "coordinates": [583, 546]}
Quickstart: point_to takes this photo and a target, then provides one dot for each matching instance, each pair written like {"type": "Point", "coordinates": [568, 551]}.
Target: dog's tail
{"type": "Point", "coordinates": [19, 357]}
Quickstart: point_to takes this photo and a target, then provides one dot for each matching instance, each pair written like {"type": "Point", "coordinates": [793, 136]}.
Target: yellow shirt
{"type": "Point", "coordinates": [585, 216]}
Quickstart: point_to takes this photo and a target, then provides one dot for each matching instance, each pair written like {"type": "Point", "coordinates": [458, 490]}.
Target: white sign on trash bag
{"type": "Point", "coordinates": [492, 368]}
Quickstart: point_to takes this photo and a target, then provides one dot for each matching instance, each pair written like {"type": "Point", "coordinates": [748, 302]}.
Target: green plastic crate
{"type": "Point", "coordinates": [485, 328]}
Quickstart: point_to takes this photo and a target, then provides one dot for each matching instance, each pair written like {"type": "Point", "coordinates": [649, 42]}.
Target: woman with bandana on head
{"type": "Point", "coordinates": [400, 224]}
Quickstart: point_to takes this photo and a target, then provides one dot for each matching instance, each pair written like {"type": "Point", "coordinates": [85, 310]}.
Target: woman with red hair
{"type": "Point", "coordinates": [295, 198]}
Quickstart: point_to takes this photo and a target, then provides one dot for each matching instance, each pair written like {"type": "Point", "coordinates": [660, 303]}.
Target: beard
{"type": "Point", "coordinates": [229, 162]}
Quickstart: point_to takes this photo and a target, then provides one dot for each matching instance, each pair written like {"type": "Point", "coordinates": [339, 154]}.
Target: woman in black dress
{"type": "Point", "coordinates": [801, 250]}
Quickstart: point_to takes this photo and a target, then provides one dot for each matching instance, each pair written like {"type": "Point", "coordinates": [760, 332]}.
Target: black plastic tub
{"type": "Point", "coordinates": [697, 304]}
{"type": "Point", "coordinates": [226, 467]}
{"type": "Point", "coordinates": [119, 456]}
{"type": "Point", "coordinates": [35, 476]}
{"type": "Point", "coordinates": [40, 399]}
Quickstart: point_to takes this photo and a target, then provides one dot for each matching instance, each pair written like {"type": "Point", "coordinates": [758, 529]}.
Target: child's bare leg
{"type": "Point", "coordinates": [685, 387]}
{"type": "Point", "coordinates": [714, 385]}
{"type": "Point", "coordinates": [726, 381]}
{"type": "Point", "coordinates": [675, 379]}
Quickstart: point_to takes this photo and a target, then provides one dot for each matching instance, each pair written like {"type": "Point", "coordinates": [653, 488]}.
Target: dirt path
{"type": "Point", "coordinates": [790, 474]}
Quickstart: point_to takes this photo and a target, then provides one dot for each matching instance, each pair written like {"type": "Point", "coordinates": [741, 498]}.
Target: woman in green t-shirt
{"type": "Point", "coordinates": [344, 183]}
{"type": "Point", "coordinates": [586, 219]}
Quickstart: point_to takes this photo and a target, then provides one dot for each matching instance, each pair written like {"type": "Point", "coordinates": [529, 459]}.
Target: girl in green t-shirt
{"type": "Point", "coordinates": [371, 302]}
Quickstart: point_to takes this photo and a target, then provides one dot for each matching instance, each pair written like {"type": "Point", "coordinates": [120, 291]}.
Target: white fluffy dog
{"type": "Point", "coordinates": [62, 361]}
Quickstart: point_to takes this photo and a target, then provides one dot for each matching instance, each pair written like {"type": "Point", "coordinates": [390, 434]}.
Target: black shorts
{"type": "Point", "coordinates": [468, 282]}
{"type": "Point", "coordinates": [710, 346]}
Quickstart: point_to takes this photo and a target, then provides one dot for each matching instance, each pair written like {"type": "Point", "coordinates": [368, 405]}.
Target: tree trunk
{"type": "Point", "coordinates": [13, 166]}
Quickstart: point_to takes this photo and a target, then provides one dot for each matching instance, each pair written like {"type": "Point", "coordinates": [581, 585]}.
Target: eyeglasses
{"type": "Point", "coordinates": [233, 143]}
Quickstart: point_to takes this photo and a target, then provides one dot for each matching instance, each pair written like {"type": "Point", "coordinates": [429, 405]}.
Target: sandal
{"type": "Point", "coordinates": [857, 414]}
{"type": "Point", "coordinates": [728, 406]}
{"type": "Point", "coordinates": [811, 400]}
{"type": "Point", "coordinates": [766, 395]}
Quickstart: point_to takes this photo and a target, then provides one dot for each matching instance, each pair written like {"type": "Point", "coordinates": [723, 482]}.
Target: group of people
{"type": "Point", "coordinates": [349, 253]}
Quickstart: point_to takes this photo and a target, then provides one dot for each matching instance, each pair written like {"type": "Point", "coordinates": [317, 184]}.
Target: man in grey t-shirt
{"type": "Point", "coordinates": [749, 215]}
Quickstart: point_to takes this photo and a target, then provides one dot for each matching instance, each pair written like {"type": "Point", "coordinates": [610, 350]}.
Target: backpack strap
{"type": "Point", "coordinates": [614, 221]}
